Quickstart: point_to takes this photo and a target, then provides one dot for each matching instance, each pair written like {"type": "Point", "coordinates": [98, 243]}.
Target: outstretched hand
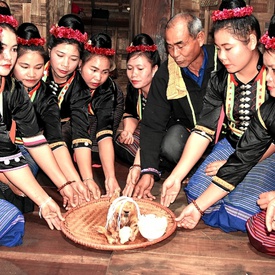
{"type": "Point", "coordinates": [189, 217]}
{"type": "Point", "coordinates": [51, 213]}
{"type": "Point", "coordinates": [170, 190]}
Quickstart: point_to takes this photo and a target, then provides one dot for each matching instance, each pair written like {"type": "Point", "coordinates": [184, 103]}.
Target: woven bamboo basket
{"type": "Point", "coordinates": [80, 222]}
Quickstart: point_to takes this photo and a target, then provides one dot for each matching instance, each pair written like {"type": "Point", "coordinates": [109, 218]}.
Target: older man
{"type": "Point", "coordinates": [175, 98]}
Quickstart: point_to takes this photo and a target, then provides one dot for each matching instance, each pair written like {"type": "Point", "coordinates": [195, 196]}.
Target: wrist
{"type": "Point", "coordinates": [197, 207]}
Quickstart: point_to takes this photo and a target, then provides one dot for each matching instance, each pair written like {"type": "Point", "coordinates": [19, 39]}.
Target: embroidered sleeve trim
{"type": "Point", "coordinates": [105, 132]}
{"type": "Point", "coordinates": [57, 144]}
{"type": "Point", "coordinates": [223, 184]}
{"type": "Point", "coordinates": [82, 140]}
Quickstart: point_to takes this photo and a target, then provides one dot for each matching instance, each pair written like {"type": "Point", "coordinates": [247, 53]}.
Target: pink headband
{"type": "Point", "coordinates": [231, 13]}
{"type": "Point", "coordinates": [64, 32]}
{"type": "Point", "coordinates": [268, 42]}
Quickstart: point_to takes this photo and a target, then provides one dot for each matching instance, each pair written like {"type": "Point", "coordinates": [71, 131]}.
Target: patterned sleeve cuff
{"type": "Point", "coordinates": [56, 145]}
{"type": "Point", "coordinates": [103, 134]}
{"type": "Point", "coordinates": [205, 132]}
{"type": "Point", "coordinates": [81, 142]}
{"type": "Point", "coordinates": [223, 184]}
{"type": "Point", "coordinates": [31, 142]}
{"type": "Point", "coordinates": [151, 171]}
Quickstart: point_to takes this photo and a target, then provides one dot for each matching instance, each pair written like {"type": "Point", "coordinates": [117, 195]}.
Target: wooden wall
{"type": "Point", "coordinates": [145, 16]}
{"type": "Point", "coordinates": [43, 13]}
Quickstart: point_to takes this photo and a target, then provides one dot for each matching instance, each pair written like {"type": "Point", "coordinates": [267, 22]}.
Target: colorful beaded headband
{"type": "Point", "coordinates": [100, 51]}
{"type": "Point", "coordinates": [142, 48]}
{"type": "Point", "coordinates": [268, 42]}
{"type": "Point", "coordinates": [231, 13]}
{"type": "Point", "coordinates": [64, 32]}
{"type": "Point", "coordinates": [8, 19]}
{"type": "Point", "coordinates": [32, 41]}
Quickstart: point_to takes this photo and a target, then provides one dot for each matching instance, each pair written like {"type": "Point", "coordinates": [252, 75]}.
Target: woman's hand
{"type": "Point", "coordinates": [70, 197]}
{"type": "Point", "coordinates": [270, 216]}
{"type": "Point", "coordinates": [93, 188]}
{"type": "Point", "coordinates": [50, 211]}
{"type": "Point", "coordinates": [132, 179]}
{"type": "Point", "coordinates": [82, 191]}
{"type": "Point", "coordinates": [213, 167]}
{"type": "Point", "coordinates": [170, 190]}
{"type": "Point", "coordinates": [111, 186]}
{"type": "Point", "coordinates": [189, 217]}
{"type": "Point", "coordinates": [265, 198]}
{"type": "Point", "coordinates": [126, 137]}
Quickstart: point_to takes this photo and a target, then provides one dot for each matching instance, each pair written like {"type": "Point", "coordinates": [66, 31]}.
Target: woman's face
{"type": "Point", "coordinates": [64, 59]}
{"type": "Point", "coordinates": [29, 68]}
{"type": "Point", "coordinates": [96, 71]}
{"type": "Point", "coordinates": [140, 72]}
{"type": "Point", "coordinates": [233, 53]}
{"type": "Point", "coordinates": [9, 53]}
{"type": "Point", "coordinates": [269, 61]}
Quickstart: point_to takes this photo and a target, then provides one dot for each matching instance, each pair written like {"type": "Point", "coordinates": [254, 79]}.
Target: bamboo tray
{"type": "Point", "coordinates": [80, 222]}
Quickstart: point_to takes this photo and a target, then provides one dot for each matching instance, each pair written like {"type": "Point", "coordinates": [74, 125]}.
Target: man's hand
{"type": "Point", "coordinates": [143, 187]}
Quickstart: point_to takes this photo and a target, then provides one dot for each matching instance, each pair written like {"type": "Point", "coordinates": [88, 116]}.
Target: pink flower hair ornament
{"type": "Point", "coordinates": [142, 48]}
{"type": "Point", "coordinates": [32, 41]}
{"type": "Point", "coordinates": [268, 42]}
{"type": "Point", "coordinates": [218, 15]}
{"type": "Point", "coordinates": [64, 32]}
{"type": "Point", "coordinates": [8, 19]}
{"type": "Point", "coordinates": [100, 51]}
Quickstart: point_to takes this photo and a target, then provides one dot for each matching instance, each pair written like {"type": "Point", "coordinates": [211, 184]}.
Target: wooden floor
{"type": "Point", "coordinates": [203, 250]}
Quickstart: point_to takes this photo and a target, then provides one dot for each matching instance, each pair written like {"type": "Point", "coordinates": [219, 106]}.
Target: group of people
{"type": "Point", "coordinates": [205, 113]}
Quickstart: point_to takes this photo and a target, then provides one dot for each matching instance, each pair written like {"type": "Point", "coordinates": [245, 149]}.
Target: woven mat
{"type": "Point", "coordinates": [80, 222]}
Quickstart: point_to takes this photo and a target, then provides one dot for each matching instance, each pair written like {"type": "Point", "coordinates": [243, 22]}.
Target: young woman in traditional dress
{"type": "Point", "coordinates": [29, 70]}
{"type": "Point", "coordinates": [106, 103]}
{"type": "Point", "coordinates": [65, 46]}
{"type": "Point", "coordinates": [227, 201]}
{"type": "Point", "coordinates": [143, 60]}
{"type": "Point", "coordinates": [16, 106]}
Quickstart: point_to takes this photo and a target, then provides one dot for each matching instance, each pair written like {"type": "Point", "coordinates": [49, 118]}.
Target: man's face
{"type": "Point", "coordinates": [183, 48]}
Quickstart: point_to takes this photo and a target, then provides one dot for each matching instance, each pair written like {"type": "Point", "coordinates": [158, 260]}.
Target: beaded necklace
{"type": "Point", "coordinates": [230, 97]}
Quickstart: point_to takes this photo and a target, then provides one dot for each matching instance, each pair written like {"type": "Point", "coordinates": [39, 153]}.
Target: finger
{"type": "Point", "coordinates": [136, 191]}
{"type": "Point", "coordinates": [150, 196]}
{"type": "Point", "coordinates": [65, 201]}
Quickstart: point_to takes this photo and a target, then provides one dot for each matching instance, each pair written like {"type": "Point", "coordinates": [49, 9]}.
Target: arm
{"type": "Point", "coordinates": [133, 176]}
{"type": "Point", "coordinates": [107, 157]}
{"type": "Point", "coordinates": [50, 210]}
{"type": "Point", "coordinates": [189, 158]}
{"type": "Point", "coordinates": [64, 161]}
{"type": "Point", "coordinates": [44, 157]}
{"type": "Point", "coordinates": [83, 158]}
{"type": "Point", "coordinates": [190, 215]}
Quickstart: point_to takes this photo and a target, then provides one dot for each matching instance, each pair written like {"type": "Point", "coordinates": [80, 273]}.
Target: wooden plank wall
{"type": "Point", "coordinates": [263, 10]}
{"type": "Point", "coordinates": [145, 16]}
{"type": "Point", "coordinates": [43, 13]}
